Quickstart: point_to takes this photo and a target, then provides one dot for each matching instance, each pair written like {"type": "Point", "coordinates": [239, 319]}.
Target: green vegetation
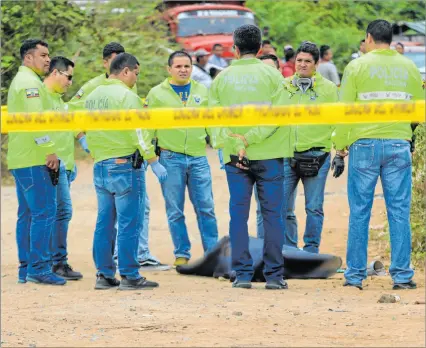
{"type": "Point", "coordinates": [418, 205]}
{"type": "Point", "coordinates": [339, 24]}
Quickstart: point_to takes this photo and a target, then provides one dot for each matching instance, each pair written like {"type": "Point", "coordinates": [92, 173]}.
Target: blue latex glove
{"type": "Point", "coordinates": [220, 154]}
{"type": "Point", "coordinates": [72, 174]}
{"type": "Point", "coordinates": [159, 171]}
{"type": "Point", "coordinates": [83, 143]}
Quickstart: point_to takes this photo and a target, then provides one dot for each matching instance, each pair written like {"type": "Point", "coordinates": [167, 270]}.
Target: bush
{"type": "Point", "coordinates": [418, 206]}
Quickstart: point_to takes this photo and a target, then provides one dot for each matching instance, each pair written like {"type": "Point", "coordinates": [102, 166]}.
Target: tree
{"type": "Point", "coordinates": [340, 24]}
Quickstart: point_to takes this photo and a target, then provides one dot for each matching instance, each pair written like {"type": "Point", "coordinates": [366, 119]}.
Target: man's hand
{"type": "Point", "coordinates": [239, 136]}
{"type": "Point", "coordinates": [242, 153]}
{"type": "Point", "coordinates": [52, 161]}
{"type": "Point", "coordinates": [159, 171]}
{"type": "Point", "coordinates": [338, 166]}
{"type": "Point", "coordinates": [342, 153]}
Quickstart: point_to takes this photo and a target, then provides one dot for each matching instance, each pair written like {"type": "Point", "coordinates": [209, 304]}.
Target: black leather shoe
{"type": "Point", "coordinates": [103, 283]}
{"type": "Point", "coordinates": [65, 271]}
{"type": "Point", "coordinates": [137, 284]}
{"type": "Point", "coordinates": [404, 286]}
{"type": "Point", "coordinates": [358, 286]}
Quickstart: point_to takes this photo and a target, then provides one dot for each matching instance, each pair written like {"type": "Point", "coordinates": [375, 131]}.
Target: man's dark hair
{"type": "Point", "coordinates": [217, 45]}
{"type": "Point", "coordinates": [311, 48]}
{"type": "Point", "coordinates": [248, 39]}
{"type": "Point", "coordinates": [266, 42]}
{"type": "Point", "coordinates": [31, 44]}
{"type": "Point", "coordinates": [112, 47]}
{"type": "Point", "coordinates": [60, 63]}
{"type": "Point", "coordinates": [381, 31]}
{"type": "Point", "coordinates": [323, 50]}
{"type": "Point", "coordinates": [289, 54]}
{"type": "Point", "coordinates": [121, 61]}
{"type": "Point", "coordinates": [400, 44]}
{"type": "Point", "coordinates": [178, 54]}
{"type": "Point", "coordinates": [271, 56]}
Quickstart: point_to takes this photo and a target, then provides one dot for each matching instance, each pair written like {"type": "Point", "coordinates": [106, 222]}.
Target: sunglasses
{"type": "Point", "coordinates": [65, 74]}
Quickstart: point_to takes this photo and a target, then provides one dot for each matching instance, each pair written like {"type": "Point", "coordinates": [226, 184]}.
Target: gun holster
{"type": "Point", "coordinates": [137, 160]}
{"type": "Point", "coordinates": [54, 174]}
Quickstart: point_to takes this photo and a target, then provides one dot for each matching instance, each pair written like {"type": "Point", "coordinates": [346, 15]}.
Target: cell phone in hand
{"type": "Point", "coordinates": [244, 162]}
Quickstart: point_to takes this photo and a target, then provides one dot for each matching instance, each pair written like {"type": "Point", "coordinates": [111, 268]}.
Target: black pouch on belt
{"type": "Point", "coordinates": [137, 160]}
{"type": "Point", "coordinates": [307, 166]}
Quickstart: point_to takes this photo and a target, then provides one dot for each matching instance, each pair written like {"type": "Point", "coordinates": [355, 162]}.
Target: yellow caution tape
{"type": "Point", "coordinates": [247, 115]}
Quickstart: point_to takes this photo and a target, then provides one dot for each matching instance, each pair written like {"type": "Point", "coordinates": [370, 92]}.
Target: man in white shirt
{"type": "Point", "coordinates": [216, 57]}
{"type": "Point", "coordinates": [326, 66]}
{"type": "Point", "coordinates": [200, 72]}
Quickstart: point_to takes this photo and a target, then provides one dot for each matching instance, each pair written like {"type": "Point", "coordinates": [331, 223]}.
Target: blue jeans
{"type": "Point", "coordinates": [268, 177]}
{"type": "Point", "coordinates": [391, 160]}
{"type": "Point", "coordinates": [314, 200]}
{"type": "Point", "coordinates": [290, 221]}
{"type": "Point", "coordinates": [36, 216]}
{"type": "Point", "coordinates": [63, 216]}
{"type": "Point", "coordinates": [120, 190]}
{"type": "Point", "coordinates": [194, 172]}
{"type": "Point", "coordinates": [143, 246]}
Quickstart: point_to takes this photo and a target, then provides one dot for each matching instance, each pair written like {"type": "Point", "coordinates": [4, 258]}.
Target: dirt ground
{"type": "Point", "coordinates": [196, 311]}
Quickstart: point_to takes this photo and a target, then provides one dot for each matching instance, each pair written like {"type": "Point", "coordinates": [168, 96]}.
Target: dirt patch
{"type": "Point", "coordinates": [194, 311]}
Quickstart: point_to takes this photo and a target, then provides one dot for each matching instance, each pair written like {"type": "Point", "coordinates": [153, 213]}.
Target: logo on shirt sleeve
{"type": "Point", "coordinates": [79, 93]}
{"type": "Point", "coordinates": [32, 93]}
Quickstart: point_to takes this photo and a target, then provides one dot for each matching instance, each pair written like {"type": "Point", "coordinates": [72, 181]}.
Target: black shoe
{"type": "Point", "coordinates": [404, 286]}
{"type": "Point", "coordinates": [137, 284]}
{"type": "Point", "coordinates": [65, 271]}
{"type": "Point", "coordinates": [276, 285]}
{"type": "Point", "coordinates": [241, 284]}
{"type": "Point", "coordinates": [358, 286]}
{"type": "Point", "coordinates": [103, 283]}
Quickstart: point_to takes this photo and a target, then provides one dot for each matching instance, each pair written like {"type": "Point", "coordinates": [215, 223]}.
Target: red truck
{"type": "Point", "coordinates": [201, 24]}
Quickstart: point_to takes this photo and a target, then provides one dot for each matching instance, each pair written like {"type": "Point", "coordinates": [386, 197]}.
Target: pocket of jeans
{"type": "Point", "coordinates": [363, 154]}
{"type": "Point", "coordinates": [24, 179]}
{"type": "Point", "coordinates": [120, 179]}
{"type": "Point", "coordinates": [401, 155]}
{"type": "Point", "coordinates": [166, 154]}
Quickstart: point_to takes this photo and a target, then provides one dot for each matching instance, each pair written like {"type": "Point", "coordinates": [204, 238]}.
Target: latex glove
{"type": "Point", "coordinates": [220, 154]}
{"type": "Point", "coordinates": [73, 174]}
{"type": "Point", "coordinates": [159, 171]}
{"type": "Point", "coordinates": [83, 143]}
{"type": "Point", "coordinates": [338, 166]}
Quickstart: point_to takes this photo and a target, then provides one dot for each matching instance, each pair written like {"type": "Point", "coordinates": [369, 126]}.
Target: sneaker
{"type": "Point", "coordinates": [404, 286]}
{"type": "Point", "coordinates": [153, 265]}
{"type": "Point", "coordinates": [180, 261]}
{"type": "Point", "coordinates": [358, 286]}
{"type": "Point", "coordinates": [276, 285]}
{"type": "Point", "coordinates": [50, 278]}
{"type": "Point", "coordinates": [241, 284]}
{"type": "Point", "coordinates": [103, 283]}
{"type": "Point", "coordinates": [137, 284]}
{"type": "Point", "coordinates": [65, 271]}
